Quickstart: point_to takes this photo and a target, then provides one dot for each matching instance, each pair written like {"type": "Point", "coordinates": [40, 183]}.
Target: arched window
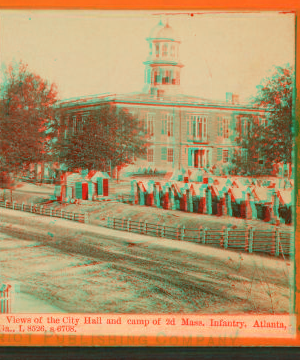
{"type": "Point", "coordinates": [165, 50]}
{"type": "Point", "coordinates": [172, 50]}
{"type": "Point", "coordinates": [157, 50]}
{"type": "Point", "coordinates": [156, 76]}
{"type": "Point", "coordinates": [168, 76]}
{"type": "Point", "coordinates": [152, 76]}
{"type": "Point", "coordinates": [177, 78]}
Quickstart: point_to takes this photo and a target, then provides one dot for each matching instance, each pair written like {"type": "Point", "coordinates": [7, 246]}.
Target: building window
{"type": "Point", "coordinates": [167, 125]}
{"type": "Point", "coordinates": [150, 155]}
{"type": "Point", "coordinates": [149, 124]}
{"type": "Point", "coordinates": [81, 123]}
{"type": "Point", "coordinates": [165, 50]}
{"type": "Point", "coordinates": [167, 78]}
{"type": "Point", "coordinates": [239, 126]}
{"type": "Point", "coordinates": [225, 156]}
{"type": "Point", "coordinates": [156, 77]}
{"type": "Point", "coordinates": [74, 124]}
{"type": "Point", "coordinates": [244, 126]}
{"type": "Point", "coordinates": [219, 155]}
{"type": "Point", "coordinates": [172, 50]}
{"type": "Point", "coordinates": [65, 123]}
{"type": "Point", "coordinates": [244, 154]}
{"type": "Point", "coordinates": [263, 121]}
{"type": "Point", "coordinates": [199, 127]}
{"type": "Point", "coordinates": [188, 128]}
{"type": "Point", "coordinates": [157, 50]}
{"type": "Point", "coordinates": [207, 158]}
{"type": "Point", "coordinates": [163, 153]}
{"type": "Point", "coordinates": [194, 126]}
{"type": "Point", "coordinates": [223, 127]}
{"type": "Point", "coordinates": [170, 155]}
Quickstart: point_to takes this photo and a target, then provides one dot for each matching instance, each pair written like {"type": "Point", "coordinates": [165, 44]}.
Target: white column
{"type": "Point", "coordinates": [193, 157]}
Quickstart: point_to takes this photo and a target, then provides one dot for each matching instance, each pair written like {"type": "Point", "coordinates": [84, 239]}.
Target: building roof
{"type": "Point", "coordinates": [163, 32]}
{"type": "Point", "coordinates": [95, 173]}
{"type": "Point", "coordinates": [141, 98]}
{"type": "Point", "coordinates": [285, 196]}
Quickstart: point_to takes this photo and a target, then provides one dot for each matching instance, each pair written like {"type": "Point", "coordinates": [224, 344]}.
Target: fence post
{"type": "Point", "coordinates": [162, 230]}
{"type": "Point", "coordinates": [145, 227]}
{"type": "Point", "coordinates": [277, 243]}
{"type": "Point", "coordinates": [51, 212]}
{"type": "Point", "coordinates": [222, 237]}
{"type": "Point", "coordinates": [225, 244]}
{"type": "Point", "coordinates": [14, 203]}
{"type": "Point", "coordinates": [200, 230]}
{"type": "Point", "coordinates": [273, 250]}
{"type": "Point", "coordinates": [73, 216]}
{"type": "Point", "coordinates": [177, 234]}
{"type": "Point", "coordinates": [128, 224]}
{"type": "Point", "coordinates": [247, 232]}
{"type": "Point", "coordinates": [6, 299]}
{"type": "Point", "coordinates": [41, 209]}
{"type": "Point", "coordinates": [61, 214]}
{"type": "Point", "coordinates": [31, 207]}
{"type": "Point", "coordinates": [86, 218]}
{"type": "Point", "coordinates": [22, 208]}
{"type": "Point", "coordinates": [108, 221]}
{"type": "Point", "coordinates": [250, 239]}
{"type": "Point", "coordinates": [182, 232]}
{"type": "Point", "coordinates": [6, 202]}
{"type": "Point", "coordinates": [204, 235]}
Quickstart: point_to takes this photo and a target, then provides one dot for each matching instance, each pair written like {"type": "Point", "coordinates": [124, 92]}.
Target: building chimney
{"type": "Point", "coordinates": [235, 99]}
{"type": "Point", "coordinates": [229, 97]}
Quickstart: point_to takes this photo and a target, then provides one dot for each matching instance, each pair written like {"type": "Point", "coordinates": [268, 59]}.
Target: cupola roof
{"type": "Point", "coordinates": [163, 32]}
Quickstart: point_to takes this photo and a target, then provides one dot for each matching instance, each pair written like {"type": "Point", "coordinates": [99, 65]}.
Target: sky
{"type": "Point", "coordinates": [95, 52]}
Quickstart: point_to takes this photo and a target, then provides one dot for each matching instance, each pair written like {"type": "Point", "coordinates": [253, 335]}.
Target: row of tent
{"type": "Point", "coordinates": [242, 201]}
{"type": "Point", "coordinates": [77, 186]}
{"type": "Point", "coordinates": [201, 176]}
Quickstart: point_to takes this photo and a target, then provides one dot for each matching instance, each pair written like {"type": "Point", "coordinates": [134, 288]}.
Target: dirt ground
{"type": "Point", "coordinates": [86, 268]}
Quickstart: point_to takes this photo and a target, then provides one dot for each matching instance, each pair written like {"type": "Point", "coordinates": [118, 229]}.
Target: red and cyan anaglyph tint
{"type": "Point", "coordinates": [174, 199]}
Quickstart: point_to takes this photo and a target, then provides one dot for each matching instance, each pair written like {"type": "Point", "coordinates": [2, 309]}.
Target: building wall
{"type": "Point", "coordinates": [163, 137]}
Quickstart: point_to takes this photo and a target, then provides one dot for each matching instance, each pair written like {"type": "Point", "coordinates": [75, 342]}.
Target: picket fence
{"type": "Point", "coordinates": [273, 242]}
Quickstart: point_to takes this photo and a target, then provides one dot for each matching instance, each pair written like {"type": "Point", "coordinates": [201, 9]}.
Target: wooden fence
{"type": "Point", "coordinates": [5, 298]}
{"type": "Point", "coordinates": [274, 242]}
{"type": "Point", "coordinates": [45, 210]}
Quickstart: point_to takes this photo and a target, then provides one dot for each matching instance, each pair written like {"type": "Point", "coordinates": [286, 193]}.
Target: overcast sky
{"type": "Point", "coordinates": [94, 52]}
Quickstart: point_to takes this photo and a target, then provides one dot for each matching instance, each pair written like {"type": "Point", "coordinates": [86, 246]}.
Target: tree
{"type": "Point", "coordinates": [271, 141]}
{"type": "Point", "coordinates": [26, 110]}
{"type": "Point", "coordinates": [108, 135]}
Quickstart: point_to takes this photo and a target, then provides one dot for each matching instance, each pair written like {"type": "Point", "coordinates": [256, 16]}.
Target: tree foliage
{"type": "Point", "coordinates": [271, 142]}
{"type": "Point", "coordinates": [107, 136]}
{"type": "Point", "coordinates": [26, 109]}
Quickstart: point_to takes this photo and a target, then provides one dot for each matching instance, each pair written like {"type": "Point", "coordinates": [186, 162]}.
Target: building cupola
{"type": "Point", "coordinates": [162, 67]}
